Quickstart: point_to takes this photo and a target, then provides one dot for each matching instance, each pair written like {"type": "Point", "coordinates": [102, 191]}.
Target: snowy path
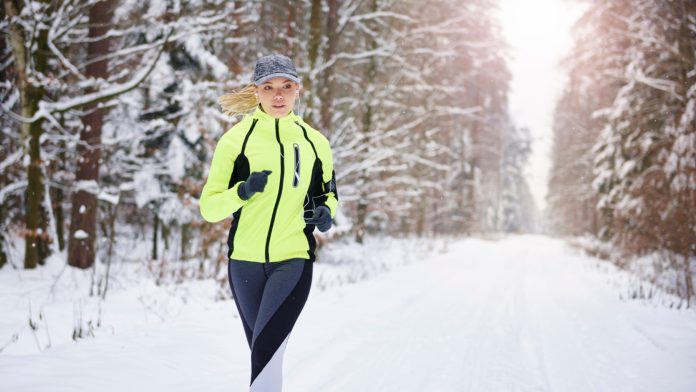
{"type": "Point", "coordinates": [517, 315]}
{"type": "Point", "coordinates": [521, 314]}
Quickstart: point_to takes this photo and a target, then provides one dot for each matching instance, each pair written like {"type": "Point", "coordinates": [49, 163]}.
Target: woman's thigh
{"type": "Point", "coordinates": [285, 294]}
{"type": "Point", "coordinates": [247, 281]}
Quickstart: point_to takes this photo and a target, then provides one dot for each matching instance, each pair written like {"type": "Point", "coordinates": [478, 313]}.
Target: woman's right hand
{"type": "Point", "coordinates": [255, 183]}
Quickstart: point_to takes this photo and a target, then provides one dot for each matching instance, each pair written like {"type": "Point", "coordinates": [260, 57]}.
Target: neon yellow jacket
{"type": "Point", "coordinates": [270, 226]}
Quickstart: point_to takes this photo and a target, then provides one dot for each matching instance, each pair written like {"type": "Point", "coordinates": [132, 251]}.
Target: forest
{"type": "Point", "coordinates": [110, 118]}
{"type": "Point", "coordinates": [624, 156]}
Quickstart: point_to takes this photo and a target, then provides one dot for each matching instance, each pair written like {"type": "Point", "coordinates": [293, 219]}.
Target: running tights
{"type": "Point", "coordinates": [269, 298]}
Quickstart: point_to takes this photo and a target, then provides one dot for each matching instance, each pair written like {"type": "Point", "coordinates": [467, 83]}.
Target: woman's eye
{"type": "Point", "coordinates": [288, 86]}
{"type": "Point", "coordinates": [266, 88]}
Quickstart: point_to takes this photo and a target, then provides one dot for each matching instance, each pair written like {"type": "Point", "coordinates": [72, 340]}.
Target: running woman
{"type": "Point", "coordinates": [274, 174]}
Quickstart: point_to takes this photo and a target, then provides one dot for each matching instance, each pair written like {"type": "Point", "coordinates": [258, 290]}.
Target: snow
{"type": "Point", "coordinates": [173, 210]}
{"type": "Point", "coordinates": [626, 168]}
{"type": "Point", "coordinates": [523, 313]}
{"type": "Point", "coordinates": [89, 186]}
{"type": "Point", "coordinates": [125, 7]}
{"type": "Point", "coordinates": [80, 234]}
{"type": "Point", "coordinates": [11, 159]}
{"type": "Point", "coordinates": [156, 9]}
{"type": "Point", "coordinates": [109, 197]}
{"type": "Point", "coordinates": [176, 155]}
{"type": "Point", "coordinates": [195, 47]}
{"type": "Point", "coordinates": [11, 188]}
{"type": "Point", "coordinates": [146, 187]}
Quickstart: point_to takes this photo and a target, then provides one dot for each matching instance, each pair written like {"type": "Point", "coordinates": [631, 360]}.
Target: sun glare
{"type": "Point", "coordinates": [538, 33]}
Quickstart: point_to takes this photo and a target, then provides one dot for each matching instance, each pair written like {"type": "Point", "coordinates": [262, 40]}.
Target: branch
{"type": "Point", "coordinates": [57, 21]}
{"type": "Point", "coordinates": [47, 109]}
{"type": "Point", "coordinates": [142, 47]}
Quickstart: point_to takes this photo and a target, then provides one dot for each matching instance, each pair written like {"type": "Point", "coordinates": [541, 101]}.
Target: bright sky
{"type": "Point", "coordinates": [538, 32]}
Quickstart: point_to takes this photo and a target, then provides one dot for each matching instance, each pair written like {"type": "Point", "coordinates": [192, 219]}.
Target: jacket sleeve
{"type": "Point", "coordinates": [328, 176]}
{"type": "Point", "coordinates": [218, 200]}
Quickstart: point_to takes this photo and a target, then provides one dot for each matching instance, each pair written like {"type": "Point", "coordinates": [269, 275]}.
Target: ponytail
{"type": "Point", "coordinates": [238, 102]}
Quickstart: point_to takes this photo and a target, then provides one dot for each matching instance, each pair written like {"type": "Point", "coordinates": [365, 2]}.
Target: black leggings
{"type": "Point", "coordinates": [269, 298]}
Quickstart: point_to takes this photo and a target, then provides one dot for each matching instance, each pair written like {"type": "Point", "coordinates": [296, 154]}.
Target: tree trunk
{"type": "Point", "coordinates": [35, 234]}
{"type": "Point", "coordinates": [3, 236]}
{"type": "Point", "coordinates": [235, 66]}
{"type": "Point", "coordinates": [185, 240]}
{"type": "Point", "coordinates": [420, 220]}
{"type": "Point", "coordinates": [466, 183]}
{"type": "Point", "coordinates": [84, 201]}
{"type": "Point", "coordinates": [291, 22]}
{"type": "Point", "coordinates": [57, 197]}
{"type": "Point", "coordinates": [327, 93]}
{"type": "Point", "coordinates": [313, 55]}
{"type": "Point", "coordinates": [364, 182]}
{"type": "Point", "coordinates": [36, 243]}
{"type": "Point", "coordinates": [688, 276]}
{"type": "Point", "coordinates": [112, 211]}
{"type": "Point", "coordinates": [4, 75]}
{"type": "Point", "coordinates": [155, 229]}
{"type": "Point", "coordinates": [3, 254]}
{"type": "Point", "coordinates": [687, 48]}
{"type": "Point", "coordinates": [471, 221]}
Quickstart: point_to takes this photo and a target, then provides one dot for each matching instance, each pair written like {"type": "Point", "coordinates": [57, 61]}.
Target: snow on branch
{"type": "Point", "coordinates": [450, 110]}
{"type": "Point", "coordinates": [665, 85]}
{"type": "Point", "coordinates": [47, 109]}
{"type": "Point", "coordinates": [13, 187]}
{"type": "Point", "coordinates": [11, 159]}
{"type": "Point", "coordinates": [380, 14]}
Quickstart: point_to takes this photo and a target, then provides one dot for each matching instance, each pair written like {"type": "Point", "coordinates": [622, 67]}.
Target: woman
{"type": "Point", "coordinates": [274, 174]}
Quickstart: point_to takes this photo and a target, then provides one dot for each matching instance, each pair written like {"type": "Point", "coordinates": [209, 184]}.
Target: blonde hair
{"type": "Point", "coordinates": [238, 102]}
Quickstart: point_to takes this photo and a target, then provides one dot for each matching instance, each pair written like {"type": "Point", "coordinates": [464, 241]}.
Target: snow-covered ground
{"type": "Point", "coordinates": [523, 313]}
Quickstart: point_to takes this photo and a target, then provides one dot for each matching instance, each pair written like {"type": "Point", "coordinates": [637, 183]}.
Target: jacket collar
{"type": "Point", "coordinates": [261, 115]}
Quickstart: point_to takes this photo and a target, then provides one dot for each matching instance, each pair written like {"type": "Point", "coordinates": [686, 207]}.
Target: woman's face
{"type": "Point", "coordinates": [277, 96]}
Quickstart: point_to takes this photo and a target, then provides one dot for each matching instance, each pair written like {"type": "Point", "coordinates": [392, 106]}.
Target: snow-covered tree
{"type": "Point", "coordinates": [48, 63]}
{"type": "Point", "coordinates": [595, 70]}
{"type": "Point", "coordinates": [646, 154]}
{"type": "Point", "coordinates": [161, 137]}
{"type": "Point", "coordinates": [432, 108]}
{"type": "Point", "coordinates": [517, 208]}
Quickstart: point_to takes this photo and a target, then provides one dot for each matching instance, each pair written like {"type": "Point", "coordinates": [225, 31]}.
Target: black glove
{"type": "Point", "coordinates": [321, 218]}
{"type": "Point", "coordinates": [255, 183]}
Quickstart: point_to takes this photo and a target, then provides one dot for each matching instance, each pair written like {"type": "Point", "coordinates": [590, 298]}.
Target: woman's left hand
{"type": "Point", "coordinates": [321, 218]}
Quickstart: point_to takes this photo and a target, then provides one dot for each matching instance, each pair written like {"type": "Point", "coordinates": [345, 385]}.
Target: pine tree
{"type": "Point", "coordinates": [595, 69]}
{"type": "Point", "coordinates": [647, 151]}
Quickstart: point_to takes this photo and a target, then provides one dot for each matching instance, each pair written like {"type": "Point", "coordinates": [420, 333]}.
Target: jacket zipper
{"type": "Point", "coordinates": [296, 178]}
{"type": "Point", "coordinates": [280, 190]}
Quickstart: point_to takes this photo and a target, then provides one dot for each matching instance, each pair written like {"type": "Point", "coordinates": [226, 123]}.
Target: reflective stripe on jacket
{"type": "Point", "coordinates": [270, 226]}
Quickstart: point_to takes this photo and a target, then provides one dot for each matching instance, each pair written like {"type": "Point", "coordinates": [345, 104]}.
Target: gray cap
{"type": "Point", "coordinates": [273, 66]}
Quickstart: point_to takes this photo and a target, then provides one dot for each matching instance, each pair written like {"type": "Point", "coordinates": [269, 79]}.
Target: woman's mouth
{"type": "Point", "coordinates": [278, 106]}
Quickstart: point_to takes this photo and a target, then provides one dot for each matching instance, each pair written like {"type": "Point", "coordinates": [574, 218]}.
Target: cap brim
{"type": "Point", "coordinates": [277, 75]}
